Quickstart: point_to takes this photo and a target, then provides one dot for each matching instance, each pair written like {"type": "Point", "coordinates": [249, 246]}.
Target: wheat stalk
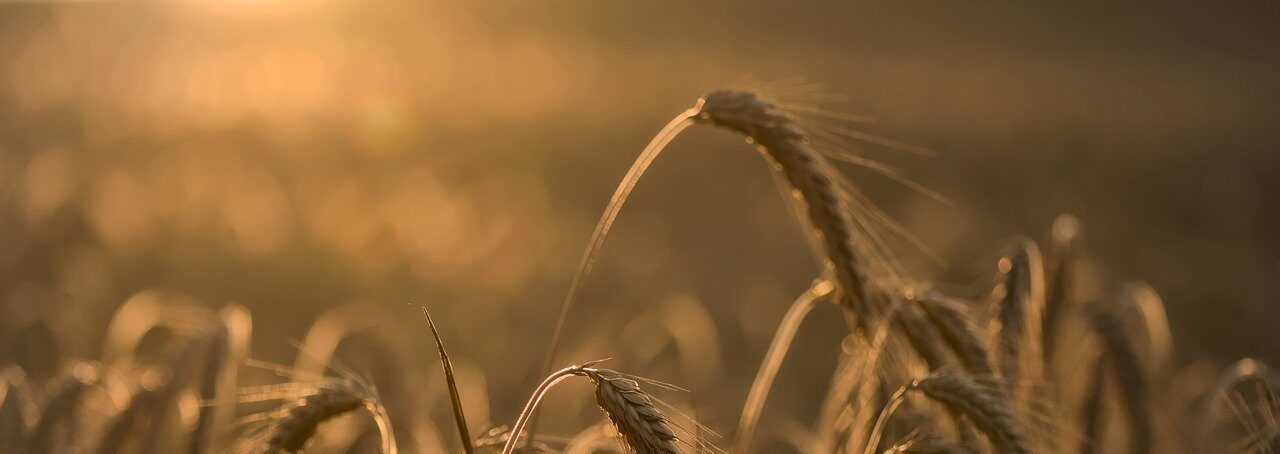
{"type": "Point", "coordinates": [494, 440]}
{"type": "Point", "coordinates": [1129, 374]}
{"type": "Point", "coordinates": [777, 351]}
{"type": "Point", "coordinates": [927, 444]}
{"type": "Point", "coordinates": [531, 407]}
{"type": "Point", "coordinates": [856, 380]}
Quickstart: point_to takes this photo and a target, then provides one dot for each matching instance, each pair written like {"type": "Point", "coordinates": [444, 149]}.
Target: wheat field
{"type": "Point", "coordinates": [419, 227]}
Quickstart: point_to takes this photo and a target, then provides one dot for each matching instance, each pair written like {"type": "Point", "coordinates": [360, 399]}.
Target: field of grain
{"type": "Point", "coordinates": [330, 226]}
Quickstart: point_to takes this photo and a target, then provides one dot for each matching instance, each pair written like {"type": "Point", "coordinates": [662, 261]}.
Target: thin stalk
{"type": "Point", "coordinates": [773, 361]}
{"type": "Point", "coordinates": [531, 406]}
{"type": "Point", "coordinates": [646, 158]}
{"type": "Point", "coordinates": [877, 430]}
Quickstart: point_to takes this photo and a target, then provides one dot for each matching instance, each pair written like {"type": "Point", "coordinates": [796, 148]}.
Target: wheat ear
{"type": "Point", "coordinates": [1219, 396]}
{"type": "Point", "coordinates": [61, 407]}
{"type": "Point", "coordinates": [141, 405]}
{"type": "Point", "coordinates": [778, 349]}
{"type": "Point", "coordinates": [216, 351]}
{"type": "Point", "coordinates": [1155, 322]}
{"type": "Point", "coordinates": [291, 432]}
{"type": "Point", "coordinates": [531, 406]}
{"type": "Point", "coordinates": [13, 412]}
{"type": "Point", "coordinates": [829, 204]}
{"type": "Point", "coordinates": [1129, 374]}
{"type": "Point", "coordinates": [963, 396]}
{"type": "Point", "coordinates": [958, 331]}
{"type": "Point", "coordinates": [1020, 312]}
{"type": "Point", "coordinates": [644, 428]}
{"type": "Point", "coordinates": [1060, 286]}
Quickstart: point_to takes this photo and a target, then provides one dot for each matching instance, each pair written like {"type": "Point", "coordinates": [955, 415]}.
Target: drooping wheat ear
{"type": "Point", "coordinates": [778, 349]}
{"type": "Point", "coordinates": [142, 405]}
{"type": "Point", "coordinates": [927, 341]}
{"type": "Point", "coordinates": [1126, 368]}
{"type": "Point", "coordinates": [291, 432]}
{"type": "Point", "coordinates": [1155, 322]}
{"type": "Point", "coordinates": [13, 411]}
{"type": "Point", "coordinates": [923, 337]}
{"type": "Point", "coordinates": [1020, 312]}
{"type": "Point", "coordinates": [960, 336]}
{"type": "Point", "coordinates": [217, 348]}
{"type": "Point", "coordinates": [962, 395]}
{"type": "Point", "coordinates": [644, 428]}
{"type": "Point", "coordinates": [975, 401]}
{"type": "Point", "coordinates": [1219, 397]}
{"type": "Point", "coordinates": [829, 204]}
{"type": "Point", "coordinates": [62, 407]}
{"type": "Point", "coordinates": [1060, 286]}
{"type": "Point", "coordinates": [959, 333]}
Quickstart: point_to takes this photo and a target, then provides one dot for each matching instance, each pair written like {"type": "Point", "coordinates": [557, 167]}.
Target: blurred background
{"type": "Point", "coordinates": [297, 156]}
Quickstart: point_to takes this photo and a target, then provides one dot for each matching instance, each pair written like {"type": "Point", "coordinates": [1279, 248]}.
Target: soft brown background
{"type": "Point", "coordinates": [295, 155]}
